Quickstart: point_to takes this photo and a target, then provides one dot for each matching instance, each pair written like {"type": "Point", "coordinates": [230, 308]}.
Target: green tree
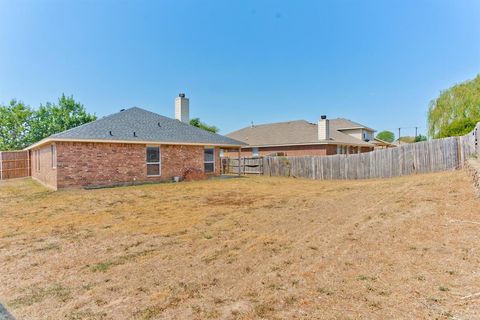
{"type": "Point", "coordinates": [456, 111]}
{"type": "Point", "coordinates": [459, 127]}
{"type": "Point", "coordinates": [199, 124]}
{"type": "Point", "coordinates": [420, 137]}
{"type": "Point", "coordinates": [387, 136]}
{"type": "Point", "coordinates": [54, 118]}
{"type": "Point", "coordinates": [14, 125]}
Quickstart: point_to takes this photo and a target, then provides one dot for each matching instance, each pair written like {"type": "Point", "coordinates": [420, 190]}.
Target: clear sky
{"type": "Point", "coordinates": [375, 62]}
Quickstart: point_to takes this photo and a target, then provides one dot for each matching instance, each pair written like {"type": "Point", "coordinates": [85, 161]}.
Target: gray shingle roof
{"type": "Point", "coordinates": [148, 126]}
{"type": "Point", "coordinates": [297, 133]}
{"type": "Point", "coordinates": [342, 123]}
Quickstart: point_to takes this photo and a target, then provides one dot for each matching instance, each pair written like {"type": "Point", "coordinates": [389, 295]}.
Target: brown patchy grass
{"type": "Point", "coordinates": [248, 248]}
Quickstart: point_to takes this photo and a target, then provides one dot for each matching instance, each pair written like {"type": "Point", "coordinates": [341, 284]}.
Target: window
{"type": "Point", "coordinates": [255, 152]}
{"type": "Point", "coordinates": [153, 161]}
{"type": "Point", "coordinates": [209, 160]}
{"type": "Point", "coordinates": [343, 150]}
{"type": "Point", "coordinates": [53, 151]}
{"type": "Point", "coordinates": [366, 136]}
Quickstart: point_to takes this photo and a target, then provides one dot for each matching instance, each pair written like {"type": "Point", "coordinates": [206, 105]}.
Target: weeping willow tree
{"type": "Point", "coordinates": [456, 111]}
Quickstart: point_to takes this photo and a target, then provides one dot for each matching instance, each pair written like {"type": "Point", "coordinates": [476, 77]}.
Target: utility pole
{"type": "Point", "coordinates": [399, 135]}
{"type": "Point", "coordinates": [416, 132]}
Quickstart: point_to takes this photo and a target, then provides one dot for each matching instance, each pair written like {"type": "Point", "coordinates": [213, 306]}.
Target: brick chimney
{"type": "Point", "coordinates": [182, 108]}
{"type": "Point", "coordinates": [323, 128]}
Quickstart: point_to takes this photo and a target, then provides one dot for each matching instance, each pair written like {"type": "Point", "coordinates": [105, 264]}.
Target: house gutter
{"type": "Point", "coordinates": [49, 140]}
{"type": "Point", "coordinates": [355, 128]}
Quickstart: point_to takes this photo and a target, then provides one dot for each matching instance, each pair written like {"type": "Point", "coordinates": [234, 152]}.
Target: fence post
{"type": "Point", "coordinates": [239, 162]}
{"type": "Point", "coordinates": [459, 152]}
{"type": "Point", "coordinates": [476, 133]}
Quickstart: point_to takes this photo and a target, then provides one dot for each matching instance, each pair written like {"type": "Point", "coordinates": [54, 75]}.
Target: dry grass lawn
{"type": "Point", "coordinates": [251, 248]}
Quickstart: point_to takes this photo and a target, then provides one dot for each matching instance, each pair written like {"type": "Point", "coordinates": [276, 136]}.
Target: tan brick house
{"type": "Point", "coordinates": [128, 147]}
{"type": "Point", "coordinates": [302, 138]}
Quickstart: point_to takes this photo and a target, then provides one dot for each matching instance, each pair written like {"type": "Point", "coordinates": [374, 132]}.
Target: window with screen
{"type": "Point", "coordinates": [209, 160]}
{"type": "Point", "coordinates": [153, 161]}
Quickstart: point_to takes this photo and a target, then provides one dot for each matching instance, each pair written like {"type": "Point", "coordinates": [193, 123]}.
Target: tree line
{"type": "Point", "coordinates": [21, 125]}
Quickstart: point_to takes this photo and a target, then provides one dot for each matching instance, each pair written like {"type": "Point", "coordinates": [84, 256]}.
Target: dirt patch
{"type": "Point", "coordinates": [251, 248]}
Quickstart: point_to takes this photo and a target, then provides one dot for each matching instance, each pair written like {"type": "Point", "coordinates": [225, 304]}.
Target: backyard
{"type": "Point", "coordinates": [246, 248]}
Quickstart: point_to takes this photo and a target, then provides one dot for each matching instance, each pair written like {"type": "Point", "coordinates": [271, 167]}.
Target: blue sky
{"type": "Point", "coordinates": [375, 62]}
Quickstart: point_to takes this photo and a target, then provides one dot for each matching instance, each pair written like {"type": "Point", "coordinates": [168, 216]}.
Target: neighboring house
{"type": "Point", "coordinates": [299, 138]}
{"type": "Point", "coordinates": [132, 146]}
{"type": "Point", "coordinates": [381, 144]}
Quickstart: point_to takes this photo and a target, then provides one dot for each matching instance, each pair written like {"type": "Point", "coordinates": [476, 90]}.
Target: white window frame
{"type": "Point", "coordinates": [159, 163]}
{"type": "Point", "coordinates": [255, 152]}
{"type": "Point", "coordinates": [205, 162]}
{"type": "Point", "coordinates": [53, 150]}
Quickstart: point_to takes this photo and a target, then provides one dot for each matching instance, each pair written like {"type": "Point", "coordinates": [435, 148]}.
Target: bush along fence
{"type": "Point", "coordinates": [14, 164]}
{"type": "Point", "coordinates": [421, 157]}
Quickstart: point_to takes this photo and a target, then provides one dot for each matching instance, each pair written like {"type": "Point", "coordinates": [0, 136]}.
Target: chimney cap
{"type": "Point", "coordinates": [323, 117]}
{"type": "Point", "coordinates": [181, 95]}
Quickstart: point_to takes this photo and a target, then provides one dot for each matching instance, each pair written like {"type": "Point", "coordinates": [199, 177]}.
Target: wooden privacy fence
{"type": "Point", "coordinates": [421, 157]}
{"type": "Point", "coordinates": [252, 165]}
{"type": "Point", "coordinates": [14, 164]}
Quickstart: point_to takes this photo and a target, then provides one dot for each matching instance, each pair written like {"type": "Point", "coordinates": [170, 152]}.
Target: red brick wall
{"type": "Point", "coordinates": [181, 160]}
{"type": "Point", "coordinates": [105, 164]}
{"type": "Point", "coordinates": [331, 149]}
{"type": "Point", "coordinates": [306, 150]}
{"type": "Point", "coordinates": [312, 150]}
{"type": "Point", "coordinates": [42, 170]}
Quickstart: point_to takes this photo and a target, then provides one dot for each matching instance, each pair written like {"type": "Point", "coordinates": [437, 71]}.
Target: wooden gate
{"type": "Point", "coordinates": [14, 164]}
{"type": "Point", "coordinates": [246, 165]}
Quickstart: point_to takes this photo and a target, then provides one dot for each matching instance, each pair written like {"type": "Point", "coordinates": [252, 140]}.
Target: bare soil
{"type": "Point", "coordinates": [252, 248]}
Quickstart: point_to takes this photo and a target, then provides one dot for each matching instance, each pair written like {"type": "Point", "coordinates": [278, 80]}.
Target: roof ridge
{"type": "Point", "coordinates": [271, 123]}
{"type": "Point", "coordinates": [179, 122]}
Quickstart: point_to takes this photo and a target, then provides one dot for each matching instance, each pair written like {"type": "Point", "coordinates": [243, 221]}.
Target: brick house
{"type": "Point", "coordinates": [128, 147]}
{"type": "Point", "coordinates": [302, 138]}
